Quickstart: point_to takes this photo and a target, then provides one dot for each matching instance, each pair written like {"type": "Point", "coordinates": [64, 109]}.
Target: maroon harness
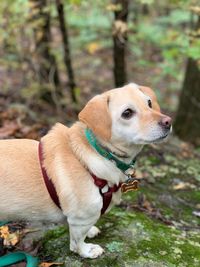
{"type": "Point", "coordinates": [107, 196]}
{"type": "Point", "coordinates": [48, 182]}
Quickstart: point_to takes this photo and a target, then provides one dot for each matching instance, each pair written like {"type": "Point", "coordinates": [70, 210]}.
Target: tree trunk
{"type": "Point", "coordinates": [187, 124]}
{"type": "Point", "coordinates": [120, 42]}
{"type": "Point", "coordinates": [47, 66]}
{"type": "Point", "coordinates": [145, 9]}
{"type": "Point", "coordinates": [66, 47]}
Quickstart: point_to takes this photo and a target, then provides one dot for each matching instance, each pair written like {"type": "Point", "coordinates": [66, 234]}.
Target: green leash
{"type": "Point", "coordinates": [16, 257]}
{"type": "Point", "coordinates": [106, 154]}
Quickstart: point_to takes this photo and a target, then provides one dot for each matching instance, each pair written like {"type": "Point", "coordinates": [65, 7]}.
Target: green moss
{"type": "Point", "coordinates": [130, 237]}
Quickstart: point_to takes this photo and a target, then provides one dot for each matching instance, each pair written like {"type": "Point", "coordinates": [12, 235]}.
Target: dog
{"type": "Point", "coordinates": [77, 173]}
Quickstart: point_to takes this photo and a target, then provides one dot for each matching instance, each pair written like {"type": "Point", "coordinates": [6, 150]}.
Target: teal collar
{"type": "Point", "coordinates": [106, 154]}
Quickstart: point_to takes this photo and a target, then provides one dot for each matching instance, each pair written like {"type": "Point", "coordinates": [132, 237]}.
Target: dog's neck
{"type": "Point", "coordinates": [121, 150]}
{"type": "Point", "coordinates": [92, 160]}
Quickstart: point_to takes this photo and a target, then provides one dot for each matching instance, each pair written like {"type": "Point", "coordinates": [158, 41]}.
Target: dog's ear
{"type": "Point", "coordinates": [97, 117]}
{"type": "Point", "coordinates": [148, 91]}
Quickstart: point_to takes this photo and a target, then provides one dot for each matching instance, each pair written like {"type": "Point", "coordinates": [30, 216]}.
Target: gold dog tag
{"type": "Point", "coordinates": [130, 185]}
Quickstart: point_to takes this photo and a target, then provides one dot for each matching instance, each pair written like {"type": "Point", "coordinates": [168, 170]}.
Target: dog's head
{"type": "Point", "coordinates": [130, 113]}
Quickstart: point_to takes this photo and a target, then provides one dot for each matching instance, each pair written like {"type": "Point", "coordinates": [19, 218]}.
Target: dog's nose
{"type": "Point", "coordinates": [166, 122]}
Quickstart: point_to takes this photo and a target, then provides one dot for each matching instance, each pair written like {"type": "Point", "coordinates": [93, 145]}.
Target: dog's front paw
{"type": "Point", "coordinates": [91, 251]}
{"type": "Point", "coordinates": [94, 231]}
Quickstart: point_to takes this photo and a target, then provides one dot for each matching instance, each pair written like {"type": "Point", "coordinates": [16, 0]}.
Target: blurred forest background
{"type": "Point", "coordinates": [55, 55]}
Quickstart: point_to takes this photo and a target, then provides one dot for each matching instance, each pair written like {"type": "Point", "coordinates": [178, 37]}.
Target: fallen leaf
{"type": "Point", "coordinates": [4, 231]}
{"type": "Point", "coordinates": [48, 264]}
{"type": "Point", "coordinates": [183, 185]}
{"type": "Point", "coordinates": [27, 231]}
{"type": "Point", "coordinates": [13, 239]}
{"type": "Point", "coordinates": [93, 47]}
{"type": "Point", "coordinates": [9, 238]}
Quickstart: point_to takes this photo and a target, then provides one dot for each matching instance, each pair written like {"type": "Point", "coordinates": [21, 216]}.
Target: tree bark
{"type": "Point", "coordinates": [120, 42]}
{"type": "Point", "coordinates": [47, 66]}
{"type": "Point", "coordinates": [66, 47]}
{"type": "Point", "coordinates": [145, 9]}
{"type": "Point", "coordinates": [187, 124]}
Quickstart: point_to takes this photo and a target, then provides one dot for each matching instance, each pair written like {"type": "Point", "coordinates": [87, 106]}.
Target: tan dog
{"type": "Point", "coordinates": [122, 119]}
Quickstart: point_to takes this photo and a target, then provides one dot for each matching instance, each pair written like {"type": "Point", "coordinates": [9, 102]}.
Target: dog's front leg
{"type": "Point", "coordinates": [78, 233]}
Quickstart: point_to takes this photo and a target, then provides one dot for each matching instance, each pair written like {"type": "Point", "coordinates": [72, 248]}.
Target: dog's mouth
{"type": "Point", "coordinates": [157, 140]}
{"type": "Point", "coordinates": [160, 139]}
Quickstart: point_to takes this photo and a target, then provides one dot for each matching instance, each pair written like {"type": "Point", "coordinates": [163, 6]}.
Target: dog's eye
{"type": "Point", "coordinates": [149, 103]}
{"type": "Point", "coordinates": [128, 113]}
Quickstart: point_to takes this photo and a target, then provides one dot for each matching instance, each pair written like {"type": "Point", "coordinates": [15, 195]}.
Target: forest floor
{"type": "Point", "coordinates": [159, 225]}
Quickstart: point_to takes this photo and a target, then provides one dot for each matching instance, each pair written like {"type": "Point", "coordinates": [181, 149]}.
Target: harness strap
{"type": "Point", "coordinates": [107, 196]}
{"type": "Point", "coordinates": [48, 182]}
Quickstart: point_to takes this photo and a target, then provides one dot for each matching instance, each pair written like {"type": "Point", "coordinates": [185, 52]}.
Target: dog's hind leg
{"type": "Point", "coordinates": [94, 231]}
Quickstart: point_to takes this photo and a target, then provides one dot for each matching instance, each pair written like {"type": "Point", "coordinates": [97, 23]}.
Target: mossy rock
{"type": "Point", "coordinates": [129, 239]}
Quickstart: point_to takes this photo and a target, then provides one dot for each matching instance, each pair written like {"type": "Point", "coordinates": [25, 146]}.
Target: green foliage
{"type": "Point", "coordinates": [13, 20]}
{"type": "Point", "coordinates": [167, 34]}
{"type": "Point", "coordinates": [159, 41]}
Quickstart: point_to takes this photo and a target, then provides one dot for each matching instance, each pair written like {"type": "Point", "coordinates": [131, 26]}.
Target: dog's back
{"type": "Point", "coordinates": [19, 157]}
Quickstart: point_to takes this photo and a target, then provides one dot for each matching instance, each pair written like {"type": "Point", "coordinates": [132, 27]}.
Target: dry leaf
{"type": "Point", "coordinates": [93, 47]}
{"type": "Point", "coordinates": [9, 238]}
{"type": "Point", "coordinates": [48, 264]}
{"type": "Point", "coordinates": [182, 185]}
{"type": "Point", "coordinates": [27, 231]}
{"type": "Point", "coordinates": [13, 239]}
{"type": "Point", "coordinates": [4, 231]}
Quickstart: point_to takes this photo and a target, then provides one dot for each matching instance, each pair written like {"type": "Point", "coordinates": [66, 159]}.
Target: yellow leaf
{"type": "Point", "coordinates": [4, 231]}
{"type": "Point", "coordinates": [48, 264]}
{"type": "Point", "coordinates": [93, 47]}
{"type": "Point", "coordinates": [13, 238]}
{"type": "Point", "coordinates": [9, 238]}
